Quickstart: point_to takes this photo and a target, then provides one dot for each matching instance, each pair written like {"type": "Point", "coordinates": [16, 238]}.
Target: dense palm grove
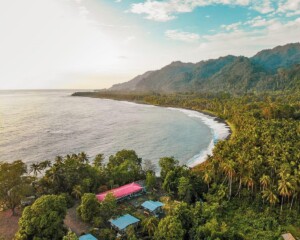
{"type": "Point", "coordinates": [248, 189]}
{"type": "Point", "coordinates": [258, 168]}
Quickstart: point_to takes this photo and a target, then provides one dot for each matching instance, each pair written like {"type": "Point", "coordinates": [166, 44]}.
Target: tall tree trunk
{"type": "Point", "coordinates": [292, 202]}
{"type": "Point", "coordinates": [240, 186]}
{"type": "Point", "coordinates": [230, 186]}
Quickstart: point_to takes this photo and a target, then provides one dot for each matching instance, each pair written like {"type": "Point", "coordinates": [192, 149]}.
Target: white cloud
{"type": "Point", "coordinates": [261, 22]}
{"type": "Point", "coordinates": [232, 27]}
{"type": "Point", "coordinates": [167, 10]}
{"type": "Point", "coordinates": [247, 43]}
{"type": "Point", "coordinates": [163, 11]}
{"type": "Point", "coordinates": [182, 36]}
{"type": "Point", "coordinates": [289, 7]}
{"type": "Point", "coordinates": [263, 6]}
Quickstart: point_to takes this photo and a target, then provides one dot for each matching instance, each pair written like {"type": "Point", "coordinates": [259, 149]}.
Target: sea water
{"type": "Point", "coordinates": [39, 125]}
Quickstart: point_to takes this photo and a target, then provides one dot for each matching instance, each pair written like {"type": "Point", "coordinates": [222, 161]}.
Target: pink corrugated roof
{"type": "Point", "coordinates": [121, 191]}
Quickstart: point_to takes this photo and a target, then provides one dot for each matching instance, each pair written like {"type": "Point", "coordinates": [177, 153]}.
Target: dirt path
{"type": "Point", "coordinates": [73, 222]}
{"type": "Point", "coordinates": [8, 225]}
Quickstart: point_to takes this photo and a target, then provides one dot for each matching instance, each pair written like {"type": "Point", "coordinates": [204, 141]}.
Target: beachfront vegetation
{"type": "Point", "coordinates": [44, 219]}
{"type": "Point", "coordinates": [248, 189]}
{"type": "Point", "coordinates": [14, 184]}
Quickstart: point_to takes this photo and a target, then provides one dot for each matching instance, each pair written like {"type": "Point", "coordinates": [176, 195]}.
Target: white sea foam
{"type": "Point", "coordinates": [219, 130]}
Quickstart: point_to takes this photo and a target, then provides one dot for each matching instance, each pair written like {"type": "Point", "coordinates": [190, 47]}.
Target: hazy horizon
{"type": "Point", "coordinates": [92, 44]}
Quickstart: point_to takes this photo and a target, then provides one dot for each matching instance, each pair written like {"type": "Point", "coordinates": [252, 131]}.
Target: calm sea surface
{"type": "Point", "coordinates": [39, 125]}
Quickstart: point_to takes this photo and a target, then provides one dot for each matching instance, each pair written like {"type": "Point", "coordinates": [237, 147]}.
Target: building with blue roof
{"type": "Point", "coordinates": [153, 207]}
{"type": "Point", "coordinates": [121, 223]}
{"type": "Point", "coordinates": [87, 237]}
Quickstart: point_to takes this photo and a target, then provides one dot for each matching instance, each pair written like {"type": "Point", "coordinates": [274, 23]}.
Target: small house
{"type": "Point", "coordinates": [120, 224]}
{"type": "Point", "coordinates": [87, 237]}
{"type": "Point", "coordinates": [153, 207]}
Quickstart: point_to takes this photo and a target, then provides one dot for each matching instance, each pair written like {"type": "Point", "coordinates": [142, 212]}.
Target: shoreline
{"type": "Point", "coordinates": [201, 157]}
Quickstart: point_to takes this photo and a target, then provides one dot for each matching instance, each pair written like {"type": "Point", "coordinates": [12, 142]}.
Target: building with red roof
{"type": "Point", "coordinates": [123, 192]}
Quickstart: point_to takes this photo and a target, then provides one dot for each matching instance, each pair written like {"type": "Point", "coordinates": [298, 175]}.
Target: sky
{"type": "Point", "coordinates": [93, 44]}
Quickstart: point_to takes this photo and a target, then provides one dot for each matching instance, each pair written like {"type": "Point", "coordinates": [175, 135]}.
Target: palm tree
{"type": "Point", "coordinates": [207, 177]}
{"type": "Point", "coordinates": [45, 164]}
{"type": "Point", "coordinates": [285, 187]}
{"type": "Point", "coordinates": [228, 169]}
{"type": "Point", "coordinates": [150, 225]}
{"type": "Point", "coordinates": [35, 168]}
{"type": "Point", "coordinates": [77, 191]}
{"type": "Point", "coordinates": [82, 157]}
{"type": "Point", "coordinates": [265, 181]}
{"type": "Point", "coordinates": [58, 160]}
{"type": "Point", "coordinates": [248, 180]}
{"type": "Point", "coordinates": [270, 196]}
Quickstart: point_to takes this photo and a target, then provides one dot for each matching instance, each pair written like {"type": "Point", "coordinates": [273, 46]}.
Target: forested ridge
{"type": "Point", "coordinates": [269, 70]}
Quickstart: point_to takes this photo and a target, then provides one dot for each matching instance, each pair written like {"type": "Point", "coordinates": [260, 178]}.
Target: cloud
{"type": "Point", "coordinates": [231, 27]}
{"type": "Point", "coordinates": [167, 10]}
{"type": "Point", "coordinates": [263, 6]}
{"type": "Point", "coordinates": [163, 11]}
{"type": "Point", "coordinates": [242, 42]}
{"type": "Point", "coordinates": [182, 36]}
{"type": "Point", "coordinates": [289, 7]}
{"type": "Point", "coordinates": [261, 22]}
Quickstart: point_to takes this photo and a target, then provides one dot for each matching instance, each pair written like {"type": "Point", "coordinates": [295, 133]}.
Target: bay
{"type": "Point", "coordinates": [41, 124]}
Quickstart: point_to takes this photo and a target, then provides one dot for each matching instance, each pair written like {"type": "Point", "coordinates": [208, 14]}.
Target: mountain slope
{"type": "Point", "coordinates": [272, 69]}
{"type": "Point", "coordinates": [278, 57]}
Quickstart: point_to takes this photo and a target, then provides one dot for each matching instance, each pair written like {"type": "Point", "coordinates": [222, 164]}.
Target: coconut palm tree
{"type": "Point", "coordinates": [45, 164]}
{"type": "Point", "coordinates": [248, 180]}
{"type": "Point", "coordinates": [207, 177]}
{"type": "Point", "coordinates": [83, 157]}
{"type": "Point", "coordinates": [270, 196]}
{"type": "Point", "coordinates": [58, 160]}
{"type": "Point", "coordinates": [77, 191]}
{"type": "Point", "coordinates": [285, 187]}
{"type": "Point", "coordinates": [35, 168]}
{"type": "Point", "coordinates": [265, 181]}
{"type": "Point", "coordinates": [150, 225]}
{"type": "Point", "coordinates": [228, 169]}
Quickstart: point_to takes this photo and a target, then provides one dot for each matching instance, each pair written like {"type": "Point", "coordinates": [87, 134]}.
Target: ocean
{"type": "Point", "coordinates": [38, 125]}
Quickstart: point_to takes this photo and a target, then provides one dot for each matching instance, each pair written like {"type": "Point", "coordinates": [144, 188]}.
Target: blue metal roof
{"type": "Point", "coordinates": [152, 205]}
{"type": "Point", "coordinates": [87, 237]}
{"type": "Point", "coordinates": [124, 221]}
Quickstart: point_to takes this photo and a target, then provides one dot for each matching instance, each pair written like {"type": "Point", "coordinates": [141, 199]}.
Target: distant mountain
{"type": "Point", "coordinates": [279, 57]}
{"type": "Point", "coordinates": [131, 85]}
{"type": "Point", "coordinates": [273, 69]}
